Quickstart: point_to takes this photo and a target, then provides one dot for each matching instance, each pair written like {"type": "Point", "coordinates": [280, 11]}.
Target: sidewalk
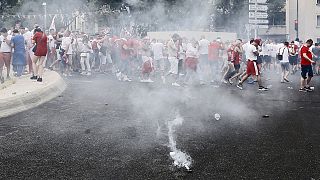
{"type": "Point", "coordinates": [21, 94]}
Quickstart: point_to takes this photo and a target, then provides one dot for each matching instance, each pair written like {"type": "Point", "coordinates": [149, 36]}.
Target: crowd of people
{"type": "Point", "coordinates": [179, 61]}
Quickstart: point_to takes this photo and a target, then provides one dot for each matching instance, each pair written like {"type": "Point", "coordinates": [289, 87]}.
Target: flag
{"type": "Point", "coordinates": [53, 24]}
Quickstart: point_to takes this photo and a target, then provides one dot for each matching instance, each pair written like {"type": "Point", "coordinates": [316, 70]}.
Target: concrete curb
{"type": "Point", "coordinates": [23, 102]}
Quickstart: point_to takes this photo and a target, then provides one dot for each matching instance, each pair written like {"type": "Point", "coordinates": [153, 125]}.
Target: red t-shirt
{"type": "Point", "coordinates": [125, 49]}
{"type": "Point", "coordinates": [94, 45]}
{"type": "Point", "coordinates": [230, 52]}
{"type": "Point", "coordinates": [236, 58]}
{"type": "Point", "coordinates": [306, 50]}
{"type": "Point", "coordinates": [41, 42]}
{"type": "Point", "coordinates": [214, 51]}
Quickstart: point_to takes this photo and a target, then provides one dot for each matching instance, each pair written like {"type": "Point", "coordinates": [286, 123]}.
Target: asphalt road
{"type": "Point", "coordinates": [104, 129]}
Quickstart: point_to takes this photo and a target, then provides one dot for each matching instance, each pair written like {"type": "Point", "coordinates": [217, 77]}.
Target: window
{"type": "Point", "coordinates": [318, 20]}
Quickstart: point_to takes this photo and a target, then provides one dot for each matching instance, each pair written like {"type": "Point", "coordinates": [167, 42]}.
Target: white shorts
{"type": "Point", "coordinates": [174, 62]}
{"type": "Point", "coordinates": [160, 64]}
{"type": "Point", "coordinates": [105, 58]}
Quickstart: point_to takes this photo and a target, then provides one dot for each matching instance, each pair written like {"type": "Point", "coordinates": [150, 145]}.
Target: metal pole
{"type": "Point", "coordinates": [45, 16]}
{"type": "Point", "coordinates": [298, 19]}
{"type": "Point", "coordinates": [256, 25]}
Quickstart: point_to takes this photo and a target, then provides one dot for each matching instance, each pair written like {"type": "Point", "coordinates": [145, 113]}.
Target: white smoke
{"type": "Point", "coordinates": [181, 159]}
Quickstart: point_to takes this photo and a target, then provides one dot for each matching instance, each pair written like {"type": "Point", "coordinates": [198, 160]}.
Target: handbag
{"type": "Point", "coordinates": [34, 49]}
{"type": "Point", "coordinates": [280, 56]}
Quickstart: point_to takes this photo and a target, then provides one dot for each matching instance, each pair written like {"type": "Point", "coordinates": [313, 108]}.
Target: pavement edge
{"type": "Point", "coordinates": [28, 101]}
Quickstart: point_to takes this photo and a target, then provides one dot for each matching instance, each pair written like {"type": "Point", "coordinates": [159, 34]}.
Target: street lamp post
{"type": "Point", "coordinates": [297, 28]}
{"type": "Point", "coordinates": [45, 15]}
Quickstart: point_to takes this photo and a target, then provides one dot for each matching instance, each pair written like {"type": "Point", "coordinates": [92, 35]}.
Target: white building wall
{"type": "Point", "coordinates": [308, 11]}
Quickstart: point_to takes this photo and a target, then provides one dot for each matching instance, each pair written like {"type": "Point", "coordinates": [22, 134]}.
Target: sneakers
{"type": "Point", "coordinates": [308, 89]}
{"type": "Point", "coordinates": [2, 80]}
{"type": "Point", "coordinates": [88, 73]}
{"type": "Point", "coordinates": [225, 81]}
{"type": "Point", "coordinates": [240, 86]}
{"type": "Point", "coordinates": [125, 78]}
{"type": "Point", "coordinates": [83, 73]}
{"type": "Point", "coordinates": [176, 84]}
{"type": "Point", "coordinates": [149, 81]}
{"type": "Point", "coordinates": [39, 79]}
{"type": "Point", "coordinates": [286, 80]}
{"type": "Point", "coordinates": [119, 77]}
{"type": "Point", "coordinates": [261, 88]}
{"type": "Point", "coordinates": [230, 81]}
{"type": "Point", "coordinates": [34, 78]}
{"type": "Point", "coordinates": [303, 90]}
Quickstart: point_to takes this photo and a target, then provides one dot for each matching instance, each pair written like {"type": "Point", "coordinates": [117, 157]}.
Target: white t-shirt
{"type": "Point", "coordinates": [285, 54]}
{"type": "Point", "coordinates": [172, 49]}
{"type": "Point", "coordinates": [4, 46]}
{"type": "Point", "coordinates": [66, 43]}
{"type": "Point", "coordinates": [204, 46]}
{"type": "Point", "coordinates": [192, 52]}
{"type": "Point", "coordinates": [265, 50]}
{"type": "Point", "coordinates": [157, 49]}
{"type": "Point", "coordinates": [250, 53]}
{"type": "Point", "coordinates": [51, 41]}
{"type": "Point", "coordinates": [28, 38]}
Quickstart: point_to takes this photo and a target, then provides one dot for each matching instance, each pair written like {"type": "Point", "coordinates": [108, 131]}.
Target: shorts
{"type": "Point", "coordinates": [267, 59]}
{"type": "Point", "coordinates": [215, 65]}
{"type": "Point", "coordinates": [5, 59]}
{"type": "Point", "coordinates": [174, 65]}
{"type": "Point", "coordinates": [293, 60]}
{"type": "Point", "coordinates": [191, 63]}
{"type": "Point", "coordinates": [260, 60]}
{"type": "Point", "coordinates": [306, 69]}
{"type": "Point", "coordinates": [105, 58]}
{"type": "Point", "coordinates": [253, 68]}
{"type": "Point", "coordinates": [285, 66]}
{"type": "Point", "coordinates": [203, 60]}
{"type": "Point", "coordinates": [237, 67]}
{"type": "Point", "coordinates": [160, 64]}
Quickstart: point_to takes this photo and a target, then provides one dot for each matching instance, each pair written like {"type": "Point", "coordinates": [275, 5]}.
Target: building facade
{"type": "Point", "coordinates": [307, 15]}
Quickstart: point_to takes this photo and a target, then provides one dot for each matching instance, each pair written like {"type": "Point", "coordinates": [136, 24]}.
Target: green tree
{"type": "Point", "coordinates": [276, 11]}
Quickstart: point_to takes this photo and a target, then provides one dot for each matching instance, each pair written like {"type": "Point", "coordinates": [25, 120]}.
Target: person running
{"type": "Point", "coordinates": [40, 52]}
{"type": "Point", "coordinates": [237, 52]}
{"type": "Point", "coordinates": [285, 66]}
{"type": "Point", "coordinates": [306, 66]}
{"type": "Point", "coordinates": [252, 67]}
{"type": "Point", "coordinates": [19, 53]}
{"type": "Point", "coordinates": [5, 53]}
